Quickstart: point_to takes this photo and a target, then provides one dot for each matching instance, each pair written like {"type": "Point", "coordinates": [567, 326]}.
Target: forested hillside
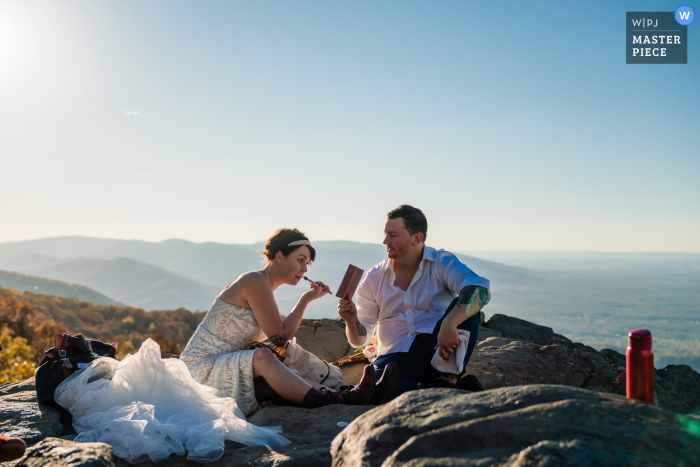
{"type": "Point", "coordinates": [29, 322]}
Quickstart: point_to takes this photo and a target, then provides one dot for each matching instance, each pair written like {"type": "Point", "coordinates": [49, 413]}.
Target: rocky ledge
{"type": "Point", "coordinates": [549, 401]}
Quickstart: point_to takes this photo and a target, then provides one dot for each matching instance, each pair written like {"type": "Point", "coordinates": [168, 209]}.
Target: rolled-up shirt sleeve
{"type": "Point", "coordinates": [367, 309]}
{"type": "Point", "coordinates": [457, 276]}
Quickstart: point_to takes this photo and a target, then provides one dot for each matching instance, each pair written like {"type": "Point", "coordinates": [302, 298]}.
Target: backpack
{"type": "Point", "coordinates": [71, 353]}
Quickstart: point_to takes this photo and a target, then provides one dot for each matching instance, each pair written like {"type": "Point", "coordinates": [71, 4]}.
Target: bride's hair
{"type": "Point", "coordinates": [280, 241]}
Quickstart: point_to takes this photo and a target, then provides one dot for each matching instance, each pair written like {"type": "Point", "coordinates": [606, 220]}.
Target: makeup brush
{"type": "Point", "coordinates": [316, 283]}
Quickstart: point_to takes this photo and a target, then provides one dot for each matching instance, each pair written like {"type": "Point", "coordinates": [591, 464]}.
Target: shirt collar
{"type": "Point", "coordinates": [428, 253]}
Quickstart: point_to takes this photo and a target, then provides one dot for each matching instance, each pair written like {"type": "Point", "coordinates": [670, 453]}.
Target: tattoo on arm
{"type": "Point", "coordinates": [279, 340]}
{"type": "Point", "coordinates": [472, 295]}
{"type": "Point", "coordinates": [361, 331]}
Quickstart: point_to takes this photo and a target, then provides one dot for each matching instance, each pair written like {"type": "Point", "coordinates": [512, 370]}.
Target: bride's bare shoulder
{"type": "Point", "coordinates": [250, 278]}
{"type": "Point", "coordinates": [251, 281]}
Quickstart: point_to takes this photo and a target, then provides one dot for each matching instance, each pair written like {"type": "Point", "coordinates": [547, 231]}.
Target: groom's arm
{"type": "Point", "coordinates": [360, 321]}
{"type": "Point", "coordinates": [473, 295]}
{"type": "Point", "coordinates": [471, 300]}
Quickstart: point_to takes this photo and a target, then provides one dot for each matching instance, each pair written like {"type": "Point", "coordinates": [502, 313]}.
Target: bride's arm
{"type": "Point", "coordinates": [262, 302]}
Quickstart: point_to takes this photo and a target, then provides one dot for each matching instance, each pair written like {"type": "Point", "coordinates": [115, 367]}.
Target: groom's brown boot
{"type": "Point", "coordinates": [359, 395]}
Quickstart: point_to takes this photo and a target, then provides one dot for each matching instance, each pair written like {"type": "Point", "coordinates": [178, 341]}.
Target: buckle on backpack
{"type": "Point", "coordinates": [62, 354]}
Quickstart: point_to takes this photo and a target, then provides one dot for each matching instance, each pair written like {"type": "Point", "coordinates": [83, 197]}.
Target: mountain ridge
{"type": "Point", "coordinates": [41, 285]}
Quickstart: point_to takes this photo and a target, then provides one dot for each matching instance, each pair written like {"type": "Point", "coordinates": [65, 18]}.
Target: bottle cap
{"type": "Point", "coordinates": [640, 339]}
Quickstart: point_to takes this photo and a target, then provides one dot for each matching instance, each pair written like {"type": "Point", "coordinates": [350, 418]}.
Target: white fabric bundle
{"type": "Point", "coordinates": [455, 363]}
{"type": "Point", "coordinates": [145, 406]}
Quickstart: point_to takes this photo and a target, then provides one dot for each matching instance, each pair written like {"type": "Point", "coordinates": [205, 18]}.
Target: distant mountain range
{"type": "Point", "coordinates": [40, 285]}
{"type": "Point", "coordinates": [176, 273]}
{"type": "Point", "coordinates": [132, 282]}
{"type": "Point", "coordinates": [594, 298]}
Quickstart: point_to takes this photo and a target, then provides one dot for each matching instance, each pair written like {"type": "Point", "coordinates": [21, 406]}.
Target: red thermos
{"type": "Point", "coordinates": [640, 366]}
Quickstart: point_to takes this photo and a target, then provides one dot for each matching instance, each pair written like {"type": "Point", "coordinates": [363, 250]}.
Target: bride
{"type": "Point", "coordinates": [246, 312]}
{"type": "Point", "coordinates": [147, 407]}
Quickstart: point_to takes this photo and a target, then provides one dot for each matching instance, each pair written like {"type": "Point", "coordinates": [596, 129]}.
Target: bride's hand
{"type": "Point", "coordinates": [316, 291]}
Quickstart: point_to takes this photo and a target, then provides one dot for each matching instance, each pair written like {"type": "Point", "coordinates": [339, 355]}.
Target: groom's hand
{"type": "Point", "coordinates": [347, 311]}
{"type": "Point", "coordinates": [448, 340]}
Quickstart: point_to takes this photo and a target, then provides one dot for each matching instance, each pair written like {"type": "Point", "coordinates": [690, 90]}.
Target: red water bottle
{"type": "Point", "coordinates": [640, 366]}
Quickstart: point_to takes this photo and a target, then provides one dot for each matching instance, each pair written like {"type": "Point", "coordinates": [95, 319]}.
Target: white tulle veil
{"type": "Point", "coordinates": [147, 407]}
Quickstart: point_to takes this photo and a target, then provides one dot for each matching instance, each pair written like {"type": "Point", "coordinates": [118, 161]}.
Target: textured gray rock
{"type": "Point", "coordinates": [311, 432]}
{"type": "Point", "coordinates": [309, 426]}
{"type": "Point", "coordinates": [20, 418]}
{"type": "Point", "coordinates": [19, 386]}
{"type": "Point", "coordinates": [503, 361]}
{"type": "Point", "coordinates": [539, 425]}
{"type": "Point", "coordinates": [55, 452]}
{"type": "Point", "coordinates": [292, 455]}
{"type": "Point", "coordinates": [520, 329]}
{"type": "Point", "coordinates": [678, 388]}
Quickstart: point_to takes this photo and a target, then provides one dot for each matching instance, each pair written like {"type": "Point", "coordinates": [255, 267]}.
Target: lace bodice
{"type": "Point", "coordinates": [226, 328]}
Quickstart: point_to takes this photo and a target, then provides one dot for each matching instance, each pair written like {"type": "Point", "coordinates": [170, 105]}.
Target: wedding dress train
{"type": "Point", "coordinates": [148, 407]}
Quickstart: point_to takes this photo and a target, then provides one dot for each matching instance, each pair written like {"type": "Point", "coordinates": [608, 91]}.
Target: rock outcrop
{"type": "Point", "coordinates": [535, 425]}
{"type": "Point", "coordinates": [500, 360]}
{"type": "Point", "coordinates": [522, 420]}
{"type": "Point", "coordinates": [310, 431]}
{"type": "Point", "coordinates": [21, 416]}
{"type": "Point", "coordinates": [517, 328]}
{"type": "Point", "coordinates": [56, 452]}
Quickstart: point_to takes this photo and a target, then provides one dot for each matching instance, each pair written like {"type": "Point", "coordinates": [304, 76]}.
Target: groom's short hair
{"type": "Point", "coordinates": [413, 219]}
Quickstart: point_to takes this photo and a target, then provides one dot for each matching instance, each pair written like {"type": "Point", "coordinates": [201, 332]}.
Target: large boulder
{"type": "Point", "coordinates": [520, 329]}
{"type": "Point", "coordinates": [323, 338]}
{"type": "Point", "coordinates": [678, 388]}
{"type": "Point", "coordinates": [56, 452]}
{"type": "Point", "coordinates": [503, 361]}
{"type": "Point", "coordinates": [500, 361]}
{"type": "Point", "coordinates": [536, 425]}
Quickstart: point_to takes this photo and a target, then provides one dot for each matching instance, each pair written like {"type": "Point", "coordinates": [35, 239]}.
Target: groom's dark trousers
{"type": "Point", "coordinates": [416, 370]}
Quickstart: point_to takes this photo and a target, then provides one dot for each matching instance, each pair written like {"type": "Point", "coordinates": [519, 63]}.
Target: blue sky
{"type": "Point", "coordinates": [513, 126]}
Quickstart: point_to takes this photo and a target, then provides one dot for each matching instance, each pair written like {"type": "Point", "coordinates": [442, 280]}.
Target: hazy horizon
{"type": "Point", "coordinates": [461, 251]}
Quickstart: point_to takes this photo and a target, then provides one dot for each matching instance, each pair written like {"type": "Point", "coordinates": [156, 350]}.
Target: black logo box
{"type": "Point", "coordinates": [655, 37]}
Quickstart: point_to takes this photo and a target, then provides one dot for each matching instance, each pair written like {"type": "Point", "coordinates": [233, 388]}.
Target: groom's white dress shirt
{"type": "Point", "coordinates": [400, 315]}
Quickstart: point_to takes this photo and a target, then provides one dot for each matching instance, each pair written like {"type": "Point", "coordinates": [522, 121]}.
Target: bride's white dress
{"type": "Point", "coordinates": [148, 407]}
{"type": "Point", "coordinates": [216, 354]}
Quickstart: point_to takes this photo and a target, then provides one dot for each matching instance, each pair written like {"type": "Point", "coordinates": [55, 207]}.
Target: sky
{"type": "Point", "coordinates": [513, 126]}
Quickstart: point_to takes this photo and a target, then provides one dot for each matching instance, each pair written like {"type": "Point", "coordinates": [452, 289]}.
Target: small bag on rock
{"type": "Point", "coordinates": [70, 354]}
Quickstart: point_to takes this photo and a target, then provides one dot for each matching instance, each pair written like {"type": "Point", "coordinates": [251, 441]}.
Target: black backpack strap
{"type": "Point", "coordinates": [92, 352]}
{"type": "Point", "coordinates": [61, 344]}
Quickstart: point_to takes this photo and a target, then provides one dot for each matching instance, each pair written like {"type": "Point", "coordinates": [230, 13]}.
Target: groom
{"type": "Point", "coordinates": [417, 300]}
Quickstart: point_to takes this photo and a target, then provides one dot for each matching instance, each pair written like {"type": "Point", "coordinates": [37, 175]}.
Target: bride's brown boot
{"type": "Point", "coordinates": [359, 395]}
